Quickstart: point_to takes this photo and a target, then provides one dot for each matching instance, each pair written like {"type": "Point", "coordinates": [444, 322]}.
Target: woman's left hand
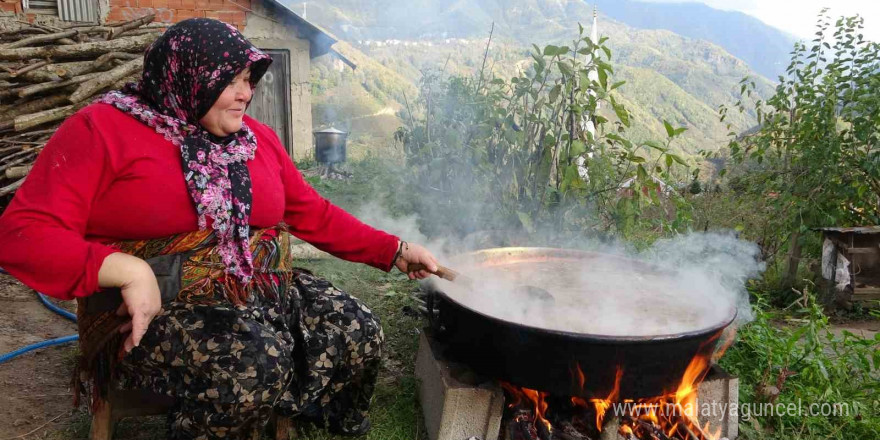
{"type": "Point", "coordinates": [416, 253]}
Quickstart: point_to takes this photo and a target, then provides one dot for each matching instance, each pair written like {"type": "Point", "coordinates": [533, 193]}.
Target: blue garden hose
{"type": "Point", "coordinates": [38, 345]}
{"type": "Point", "coordinates": [49, 305]}
{"type": "Point", "coordinates": [49, 342]}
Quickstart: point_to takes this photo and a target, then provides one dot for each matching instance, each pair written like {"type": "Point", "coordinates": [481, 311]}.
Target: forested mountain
{"type": "Point", "coordinates": [669, 75]}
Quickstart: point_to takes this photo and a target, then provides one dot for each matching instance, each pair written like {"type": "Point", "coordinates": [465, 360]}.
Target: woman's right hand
{"type": "Point", "coordinates": [140, 293]}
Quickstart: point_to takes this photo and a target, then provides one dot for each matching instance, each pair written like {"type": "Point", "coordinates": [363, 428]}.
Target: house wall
{"type": "Point", "coordinates": [268, 28]}
{"type": "Point", "coordinates": [13, 6]}
{"type": "Point", "coordinates": [233, 12]}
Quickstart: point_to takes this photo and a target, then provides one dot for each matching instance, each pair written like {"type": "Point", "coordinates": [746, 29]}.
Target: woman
{"type": "Point", "coordinates": [166, 211]}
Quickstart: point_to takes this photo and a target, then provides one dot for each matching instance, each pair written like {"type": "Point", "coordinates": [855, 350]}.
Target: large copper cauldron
{"type": "Point", "coordinates": [548, 360]}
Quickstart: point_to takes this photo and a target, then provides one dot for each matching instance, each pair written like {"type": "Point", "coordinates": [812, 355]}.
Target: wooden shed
{"type": "Point", "coordinates": [283, 99]}
{"type": "Point", "coordinates": [851, 264]}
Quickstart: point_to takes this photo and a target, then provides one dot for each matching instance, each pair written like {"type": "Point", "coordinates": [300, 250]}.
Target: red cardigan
{"type": "Point", "coordinates": [104, 176]}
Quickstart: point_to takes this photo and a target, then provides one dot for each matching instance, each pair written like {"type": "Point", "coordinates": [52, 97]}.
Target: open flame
{"type": "Point", "coordinates": [672, 415]}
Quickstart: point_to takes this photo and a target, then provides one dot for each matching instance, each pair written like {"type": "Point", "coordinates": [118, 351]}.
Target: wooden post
{"type": "Point", "coordinates": [283, 427]}
{"type": "Point", "coordinates": [794, 259]}
{"type": "Point", "coordinates": [832, 289]}
{"type": "Point", "coordinates": [102, 422]}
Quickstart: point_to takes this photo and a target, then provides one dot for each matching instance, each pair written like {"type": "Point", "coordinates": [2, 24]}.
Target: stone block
{"type": "Point", "coordinates": [718, 403]}
{"type": "Point", "coordinates": [455, 406]}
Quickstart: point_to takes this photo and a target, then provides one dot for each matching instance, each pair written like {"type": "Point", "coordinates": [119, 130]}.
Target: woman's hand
{"type": "Point", "coordinates": [140, 293]}
{"type": "Point", "coordinates": [415, 253]}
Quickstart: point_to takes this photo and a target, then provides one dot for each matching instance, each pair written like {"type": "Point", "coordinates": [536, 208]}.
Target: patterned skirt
{"type": "Point", "coordinates": [288, 342]}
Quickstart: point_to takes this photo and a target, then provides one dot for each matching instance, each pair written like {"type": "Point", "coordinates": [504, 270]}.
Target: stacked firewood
{"type": "Point", "coordinates": [47, 73]}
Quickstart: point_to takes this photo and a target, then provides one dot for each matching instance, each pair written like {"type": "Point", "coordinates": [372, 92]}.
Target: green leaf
{"type": "Point", "coordinates": [526, 221]}
{"type": "Point", "coordinates": [550, 50]}
{"type": "Point", "coordinates": [570, 177]}
{"type": "Point", "coordinates": [554, 92]}
{"type": "Point", "coordinates": [565, 69]}
{"type": "Point", "coordinates": [620, 111]}
{"type": "Point", "coordinates": [603, 77]}
{"type": "Point", "coordinates": [617, 84]}
{"type": "Point", "coordinates": [577, 148]}
{"type": "Point", "coordinates": [677, 158]}
{"type": "Point", "coordinates": [655, 145]}
{"type": "Point", "coordinates": [669, 130]}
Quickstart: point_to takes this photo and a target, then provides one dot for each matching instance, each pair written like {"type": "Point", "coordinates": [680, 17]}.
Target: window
{"type": "Point", "coordinates": [69, 10]}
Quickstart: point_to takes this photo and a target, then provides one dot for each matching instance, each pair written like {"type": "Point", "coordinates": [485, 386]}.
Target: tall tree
{"type": "Point", "coordinates": [817, 139]}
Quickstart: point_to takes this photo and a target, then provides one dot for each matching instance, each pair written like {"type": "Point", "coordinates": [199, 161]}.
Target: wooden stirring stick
{"type": "Point", "coordinates": [442, 272]}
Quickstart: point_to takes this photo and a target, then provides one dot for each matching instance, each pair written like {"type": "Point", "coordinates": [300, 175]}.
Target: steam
{"type": "Point", "coordinates": [714, 260]}
{"type": "Point", "coordinates": [406, 227]}
{"type": "Point", "coordinates": [688, 283]}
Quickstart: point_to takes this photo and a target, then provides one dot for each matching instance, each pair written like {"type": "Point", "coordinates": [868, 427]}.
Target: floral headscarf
{"type": "Point", "coordinates": [185, 71]}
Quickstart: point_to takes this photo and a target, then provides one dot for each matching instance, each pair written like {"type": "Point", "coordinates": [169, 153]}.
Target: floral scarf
{"type": "Point", "coordinates": [185, 71]}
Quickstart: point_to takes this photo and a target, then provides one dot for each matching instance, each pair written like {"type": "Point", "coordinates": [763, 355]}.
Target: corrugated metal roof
{"type": "Point", "coordinates": [852, 230]}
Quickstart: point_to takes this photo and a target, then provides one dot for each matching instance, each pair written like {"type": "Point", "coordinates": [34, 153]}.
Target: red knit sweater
{"type": "Point", "coordinates": [104, 176]}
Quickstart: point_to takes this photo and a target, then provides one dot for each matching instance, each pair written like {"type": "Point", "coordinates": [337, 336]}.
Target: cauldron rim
{"type": "Point", "coordinates": [612, 339]}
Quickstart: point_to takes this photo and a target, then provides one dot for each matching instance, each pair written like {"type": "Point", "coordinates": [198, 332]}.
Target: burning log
{"type": "Point", "coordinates": [47, 73]}
{"type": "Point", "coordinates": [666, 417]}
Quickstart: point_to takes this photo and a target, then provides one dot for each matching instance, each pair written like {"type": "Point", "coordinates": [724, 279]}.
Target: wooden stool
{"type": "Point", "coordinates": [135, 403]}
{"type": "Point", "coordinates": [119, 404]}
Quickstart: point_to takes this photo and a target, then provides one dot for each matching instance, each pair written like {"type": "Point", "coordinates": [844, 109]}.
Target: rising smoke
{"type": "Point", "coordinates": [688, 283]}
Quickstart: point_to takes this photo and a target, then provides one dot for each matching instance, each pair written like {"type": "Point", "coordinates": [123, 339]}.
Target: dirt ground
{"type": "Point", "coordinates": [34, 387]}
{"type": "Point", "coordinates": [862, 329]}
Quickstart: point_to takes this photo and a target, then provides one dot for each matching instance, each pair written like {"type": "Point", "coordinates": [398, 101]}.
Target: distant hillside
{"type": "Point", "coordinates": [765, 48]}
{"type": "Point", "coordinates": [668, 76]}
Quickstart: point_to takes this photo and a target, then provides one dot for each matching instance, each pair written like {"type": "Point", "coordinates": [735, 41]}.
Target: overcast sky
{"type": "Point", "coordinates": [798, 17]}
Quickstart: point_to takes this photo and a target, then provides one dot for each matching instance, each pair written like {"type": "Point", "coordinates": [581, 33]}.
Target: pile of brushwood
{"type": "Point", "coordinates": [47, 73]}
